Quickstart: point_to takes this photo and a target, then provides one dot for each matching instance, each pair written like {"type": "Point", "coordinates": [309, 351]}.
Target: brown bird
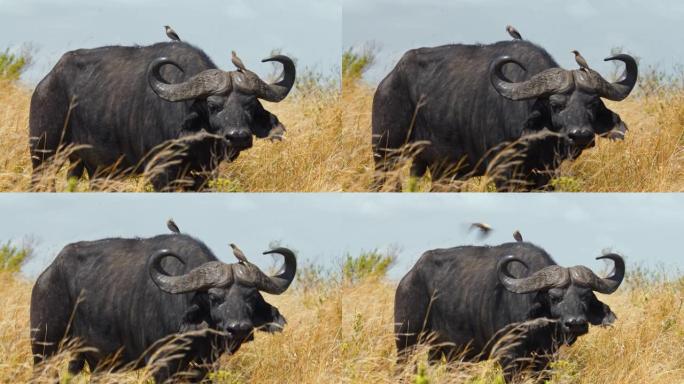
{"type": "Point", "coordinates": [483, 229]}
{"type": "Point", "coordinates": [239, 254]}
{"type": "Point", "coordinates": [580, 61]}
{"type": "Point", "coordinates": [236, 61]}
{"type": "Point", "coordinates": [172, 226]}
{"type": "Point", "coordinates": [171, 33]}
{"type": "Point", "coordinates": [517, 236]}
{"type": "Point", "coordinates": [513, 32]}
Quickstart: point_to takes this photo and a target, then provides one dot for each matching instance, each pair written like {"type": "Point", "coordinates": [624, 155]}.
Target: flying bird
{"type": "Point", "coordinates": [171, 33]}
{"type": "Point", "coordinates": [517, 236]}
{"type": "Point", "coordinates": [483, 229]}
{"type": "Point", "coordinates": [172, 226]}
{"type": "Point", "coordinates": [580, 61]}
{"type": "Point", "coordinates": [513, 32]}
{"type": "Point", "coordinates": [236, 61]}
{"type": "Point", "coordinates": [239, 254]}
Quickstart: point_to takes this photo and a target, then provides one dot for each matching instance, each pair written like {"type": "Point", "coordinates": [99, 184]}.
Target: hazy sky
{"type": "Point", "coordinates": [323, 228]}
{"type": "Point", "coordinates": [649, 29]}
{"type": "Point", "coordinates": [306, 29]}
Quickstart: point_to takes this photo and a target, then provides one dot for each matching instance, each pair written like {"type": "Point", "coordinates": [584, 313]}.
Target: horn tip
{"type": "Point", "coordinates": [277, 250]}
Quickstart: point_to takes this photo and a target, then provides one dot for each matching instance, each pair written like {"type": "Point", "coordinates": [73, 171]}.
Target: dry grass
{"type": "Point", "coordinates": [309, 351]}
{"type": "Point", "coordinates": [650, 159]}
{"type": "Point", "coordinates": [318, 154]}
{"type": "Point", "coordinates": [343, 333]}
{"type": "Point", "coordinates": [327, 148]}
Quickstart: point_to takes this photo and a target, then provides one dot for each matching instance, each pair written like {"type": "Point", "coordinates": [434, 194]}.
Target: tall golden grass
{"type": "Point", "coordinates": [650, 159]}
{"type": "Point", "coordinates": [327, 148]}
{"type": "Point", "coordinates": [343, 333]}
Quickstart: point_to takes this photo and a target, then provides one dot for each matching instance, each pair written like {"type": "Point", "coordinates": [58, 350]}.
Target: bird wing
{"type": "Point", "coordinates": [236, 61]}
{"type": "Point", "coordinates": [172, 226]}
{"type": "Point", "coordinates": [237, 252]}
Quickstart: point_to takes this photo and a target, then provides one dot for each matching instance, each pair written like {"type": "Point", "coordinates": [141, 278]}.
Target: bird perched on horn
{"type": "Point", "coordinates": [236, 61]}
{"type": "Point", "coordinates": [580, 60]}
{"type": "Point", "coordinates": [237, 252]}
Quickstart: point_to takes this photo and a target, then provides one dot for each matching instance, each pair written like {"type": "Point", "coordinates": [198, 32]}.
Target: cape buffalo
{"type": "Point", "coordinates": [127, 299]}
{"type": "Point", "coordinates": [113, 104]}
{"type": "Point", "coordinates": [464, 300]}
{"type": "Point", "coordinates": [462, 105]}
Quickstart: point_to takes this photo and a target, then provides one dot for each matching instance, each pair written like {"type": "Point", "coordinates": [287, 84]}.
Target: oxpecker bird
{"type": "Point", "coordinates": [172, 226]}
{"type": "Point", "coordinates": [236, 61]}
{"type": "Point", "coordinates": [517, 236]}
{"type": "Point", "coordinates": [484, 229]}
{"type": "Point", "coordinates": [580, 61]}
{"type": "Point", "coordinates": [513, 32]}
{"type": "Point", "coordinates": [239, 254]}
{"type": "Point", "coordinates": [171, 33]}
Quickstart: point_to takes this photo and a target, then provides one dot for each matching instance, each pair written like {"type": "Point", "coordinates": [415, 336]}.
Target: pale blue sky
{"type": "Point", "coordinates": [308, 30]}
{"type": "Point", "coordinates": [649, 29]}
{"type": "Point", "coordinates": [323, 228]}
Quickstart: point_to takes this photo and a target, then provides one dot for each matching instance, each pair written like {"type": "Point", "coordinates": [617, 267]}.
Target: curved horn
{"type": "Point", "coordinates": [619, 90]}
{"type": "Point", "coordinates": [279, 283]}
{"type": "Point", "coordinates": [205, 83]}
{"type": "Point", "coordinates": [548, 277]}
{"type": "Point", "coordinates": [277, 91]}
{"type": "Point", "coordinates": [207, 275]}
{"type": "Point", "coordinates": [552, 80]}
{"type": "Point", "coordinates": [607, 285]}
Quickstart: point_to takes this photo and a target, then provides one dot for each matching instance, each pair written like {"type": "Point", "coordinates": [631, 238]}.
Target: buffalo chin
{"type": "Point", "coordinates": [571, 335]}
{"type": "Point", "coordinates": [574, 148]}
{"type": "Point", "coordinates": [233, 343]}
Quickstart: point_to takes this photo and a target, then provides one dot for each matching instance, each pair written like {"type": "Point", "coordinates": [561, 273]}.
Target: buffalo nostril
{"type": "Point", "coordinates": [581, 133]}
{"type": "Point", "coordinates": [238, 134]}
{"type": "Point", "coordinates": [239, 327]}
{"type": "Point", "coordinates": [575, 323]}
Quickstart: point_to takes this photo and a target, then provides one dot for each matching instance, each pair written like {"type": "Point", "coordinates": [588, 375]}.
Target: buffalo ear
{"type": "Point", "coordinates": [192, 122]}
{"type": "Point", "coordinates": [538, 118]}
{"type": "Point", "coordinates": [267, 318]}
{"type": "Point", "coordinates": [600, 313]}
{"type": "Point", "coordinates": [540, 307]}
{"type": "Point", "coordinates": [609, 125]}
{"type": "Point", "coordinates": [267, 125]}
{"type": "Point", "coordinates": [533, 123]}
{"type": "Point", "coordinates": [194, 318]}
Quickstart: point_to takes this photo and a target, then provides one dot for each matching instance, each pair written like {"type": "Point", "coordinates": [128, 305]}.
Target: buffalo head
{"type": "Point", "coordinates": [227, 296]}
{"type": "Point", "coordinates": [568, 102]}
{"type": "Point", "coordinates": [227, 102]}
{"type": "Point", "coordinates": [566, 294]}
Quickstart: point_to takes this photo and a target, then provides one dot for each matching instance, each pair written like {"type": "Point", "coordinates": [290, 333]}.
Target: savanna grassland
{"type": "Point", "coordinates": [327, 144]}
{"type": "Point", "coordinates": [650, 159]}
{"type": "Point", "coordinates": [340, 331]}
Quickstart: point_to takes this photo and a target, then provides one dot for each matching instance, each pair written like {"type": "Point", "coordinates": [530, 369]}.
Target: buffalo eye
{"type": "Point", "coordinates": [557, 106]}
{"type": "Point", "coordinates": [250, 109]}
{"type": "Point", "coordinates": [214, 298]}
{"type": "Point", "coordinates": [593, 107]}
{"type": "Point", "coordinates": [557, 103]}
{"type": "Point", "coordinates": [555, 298]}
{"type": "Point", "coordinates": [213, 106]}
